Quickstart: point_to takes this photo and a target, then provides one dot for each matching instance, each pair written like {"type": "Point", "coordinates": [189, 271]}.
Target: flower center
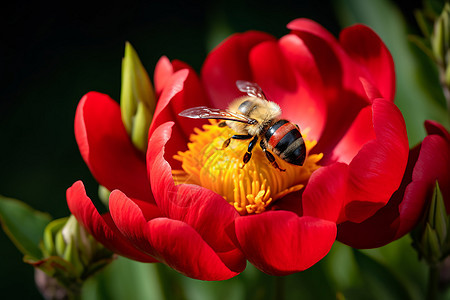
{"type": "Point", "coordinates": [250, 188]}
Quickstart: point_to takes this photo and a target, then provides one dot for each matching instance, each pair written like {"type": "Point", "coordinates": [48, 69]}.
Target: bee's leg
{"type": "Point", "coordinates": [236, 137]}
{"type": "Point", "coordinates": [270, 157]}
{"type": "Point", "coordinates": [248, 154]}
{"type": "Point", "coordinates": [226, 143]}
{"type": "Point", "coordinates": [242, 136]}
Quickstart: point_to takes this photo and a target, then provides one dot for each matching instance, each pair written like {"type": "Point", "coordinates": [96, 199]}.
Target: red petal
{"type": "Point", "coordinates": [307, 25]}
{"type": "Point", "coordinates": [325, 194]}
{"type": "Point", "coordinates": [182, 90]}
{"type": "Point", "coordinates": [101, 226]}
{"type": "Point", "coordinates": [377, 170]}
{"type": "Point", "coordinates": [360, 51]}
{"type": "Point", "coordinates": [407, 205]}
{"type": "Point", "coordinates": [107, 149]}
{"type": "Point", "coordinates": [130, 220]}
{"type": "Point", "coordinates": [383, 227]}
{"type": "Point", "coordinates": [281, 243]}
{"type": "Point", "coordinates": [163, 71]}
{"type": "Point", "coordinates": [360, 132]}
{"type": "Point", "coordinates": [372, 91]}
{"type": "Point", "coordinates": [227, 63]}
{"type": "Point", "coordinates": [376, 231]}
{"type": "Point", "coordinates": [171, 241]}
{"type": "Point", "coordinates": [182, 248]}
{"type": "Point", "coordinates": [364, 46]}
{"type": "Point", "coordinates": [433, 164]}
{"type": "Point", "coordinates": [342, 90]}
{"type": "Point", "coordinates": [434, 127]}
{"type": "Point", "coordinates": [335, 67]}
{"type": "Point", "coordinates": [180, 65]}
{"type": "Point", "coordinates": [271, 69]}
{"type": "Point", "coordinates": [205, 211]}
{"type": "Point", "coordinates": [291, 202]}
{"type": "Point", "coordinates": [272, 64]}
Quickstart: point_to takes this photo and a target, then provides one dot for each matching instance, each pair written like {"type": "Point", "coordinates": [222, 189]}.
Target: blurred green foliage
{"type": "Point", "coordinates": [54, 54]}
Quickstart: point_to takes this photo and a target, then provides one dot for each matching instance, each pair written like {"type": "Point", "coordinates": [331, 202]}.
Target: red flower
{"type": "Point", "coordinates": [339, 92]}
{"type": "Point", "coordinates": [427, 163]}
{"type": "Point", "coordinates": [117, 165]}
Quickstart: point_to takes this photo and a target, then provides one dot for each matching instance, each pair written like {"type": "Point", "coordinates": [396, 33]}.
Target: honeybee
{"type": "Point", "coordinates": [256, 118]}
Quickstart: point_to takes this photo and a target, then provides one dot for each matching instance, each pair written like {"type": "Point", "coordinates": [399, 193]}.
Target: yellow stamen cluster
{"type": "Point", "coordinates": [250, 188]}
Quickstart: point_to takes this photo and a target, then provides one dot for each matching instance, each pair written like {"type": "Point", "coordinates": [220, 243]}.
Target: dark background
{"type": "Point", "coordinates": [51, 55]}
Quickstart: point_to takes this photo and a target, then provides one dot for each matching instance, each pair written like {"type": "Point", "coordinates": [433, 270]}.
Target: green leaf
{"type": "Point", "coordinates": [342, 269]}
{"type": "Point", "coordinates": [403, 260]}
{"type": "Point", "coordinates": [380, 280]}
{"type": "Point", "coordinates": [124, 279]}
{"type": "Point", "coordinates": [23, 225]}
{"type": "Point", "coordinates": [418, 92]}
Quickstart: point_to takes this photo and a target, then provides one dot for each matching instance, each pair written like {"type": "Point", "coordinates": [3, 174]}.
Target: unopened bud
{"type": "Point", "coordinates": [440, 37]}
{"type": "Point", "coordinates": [431, 239]}
{"type": "Point", "coordinates": [137, 99]}
{"type": "Point", "coordinates": [78, 254]}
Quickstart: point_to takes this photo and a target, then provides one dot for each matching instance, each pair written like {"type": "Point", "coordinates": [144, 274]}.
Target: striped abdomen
{"type": "Point", "coordinates": [285, 140]}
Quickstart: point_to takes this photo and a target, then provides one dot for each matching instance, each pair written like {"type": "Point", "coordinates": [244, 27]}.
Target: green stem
{"type": "Point", "coordinates": [433, 280]}
{"type": "Point", "coordinates": [279, 288]}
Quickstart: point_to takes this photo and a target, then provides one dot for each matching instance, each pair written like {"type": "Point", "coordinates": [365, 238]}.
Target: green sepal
{"type": "Point", "coordinates": [432, 246]}
{"type": "Point", "coordinates": [75, 248]}
{"type": "Point", "coordinates": [60, 243]}
{"type": "Point", "coordinates": [440, 216]}
{"type": "Point", "coordinates": [72, 254]}
{"type": "Point", "coordinates": [23, 225]}
{"type": "Point", "coordinates": [431, 237]}
{"type": "Point", "coordinates": [142, 121]}
{"type": "Point", "coordinates": [137, 98]}
{"type": "Point", "coordinates": [49, 247]}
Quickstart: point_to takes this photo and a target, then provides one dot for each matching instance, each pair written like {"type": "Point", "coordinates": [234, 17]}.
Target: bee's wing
{"type": "Point", "coordinates": [203, 112]}
{"type": "Point", "coordinates": [252, 89]}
